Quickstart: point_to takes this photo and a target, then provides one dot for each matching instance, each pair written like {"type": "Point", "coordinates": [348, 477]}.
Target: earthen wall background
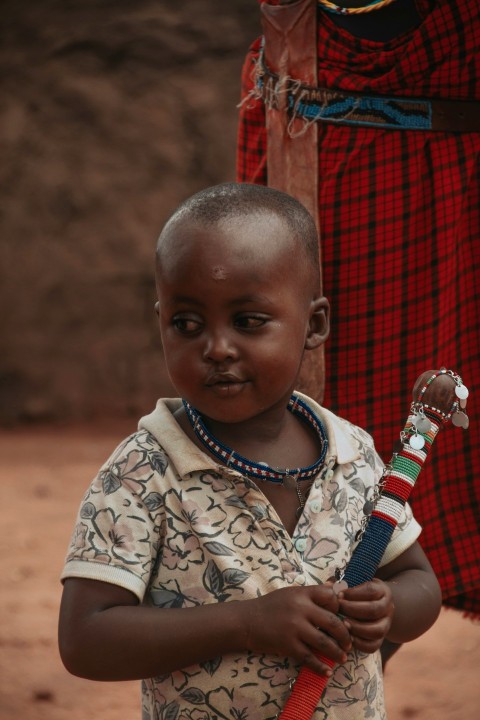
{"type": "Point", "coordinates": [111, 113]}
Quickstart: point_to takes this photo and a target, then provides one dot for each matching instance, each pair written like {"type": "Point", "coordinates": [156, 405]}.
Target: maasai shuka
{"type": "Point", "coordinates": [400, 225]}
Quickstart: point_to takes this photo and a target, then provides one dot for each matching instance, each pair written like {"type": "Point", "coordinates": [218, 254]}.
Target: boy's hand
{"type": "Point", "coordinates": [368, 609]}
{"type": "Point", "coordinates": [298, 622]}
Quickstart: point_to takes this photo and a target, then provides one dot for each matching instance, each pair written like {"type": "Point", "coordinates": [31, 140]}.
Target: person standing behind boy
{"type": "Point", "coordinates": [394, 172]}
{"type": "Point", "coordinates": [203, 552]}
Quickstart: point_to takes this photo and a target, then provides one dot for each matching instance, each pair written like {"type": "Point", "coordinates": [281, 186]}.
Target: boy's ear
{"type": "Point", "coordinates": [157, 307]}
{"type": "Point", "coordinates": [319, 324]}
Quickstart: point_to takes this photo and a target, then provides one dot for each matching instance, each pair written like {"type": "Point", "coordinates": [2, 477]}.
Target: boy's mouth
{"type": "Point", "coordinates": [225, 384]}
{"type": "Point", "coordinates": [223, 379]}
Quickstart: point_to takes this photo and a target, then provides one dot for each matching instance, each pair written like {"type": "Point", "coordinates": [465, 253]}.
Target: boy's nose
{"type": "Point", "coordinates": [219, 347]}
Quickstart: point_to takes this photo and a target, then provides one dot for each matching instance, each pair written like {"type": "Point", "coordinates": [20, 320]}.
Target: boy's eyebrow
{"type": "Point", "coordinates": [251, 298]}
{"type": "Point", "coordinates": [246, 299]}
{"type": "Point", "coordinates": [187, 300]}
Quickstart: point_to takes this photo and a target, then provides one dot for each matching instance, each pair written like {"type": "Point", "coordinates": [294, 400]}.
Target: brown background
{"type": "Point", "coordinates": [111, 112]}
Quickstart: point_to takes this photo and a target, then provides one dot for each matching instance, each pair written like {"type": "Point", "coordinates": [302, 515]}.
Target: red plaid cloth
{"type": "Point", "coordinates": [399, 212]}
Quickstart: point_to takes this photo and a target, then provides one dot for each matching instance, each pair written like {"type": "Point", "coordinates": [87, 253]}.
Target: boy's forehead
{"type": "Point", "coordinates": [249, 250]}
{"type": "Point", "coordinates": [260, 233]}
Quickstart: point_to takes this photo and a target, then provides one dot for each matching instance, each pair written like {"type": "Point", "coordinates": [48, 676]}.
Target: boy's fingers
{"type": "Point", "coordinates": [325, 647]}
{"type": "Point", "coordinates": [371, 590]}
{"type": "Point", "coordinates": [368, 631]}
{"type": "Point", "coordinates": [373, 610]}
{"type": "Point", "coordinates": [327, 623]}
{"type": "Point", "coordinates": [314, 663]}
{"type": "Point", "coordinates": [324, 596]}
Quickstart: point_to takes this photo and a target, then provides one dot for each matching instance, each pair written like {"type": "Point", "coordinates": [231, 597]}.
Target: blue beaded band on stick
{"type": "Point", "coordinates": [397, 482]}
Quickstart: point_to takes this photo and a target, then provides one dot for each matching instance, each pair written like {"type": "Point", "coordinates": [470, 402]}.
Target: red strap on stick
{"type": "Point", "coordinates": [306, 693]}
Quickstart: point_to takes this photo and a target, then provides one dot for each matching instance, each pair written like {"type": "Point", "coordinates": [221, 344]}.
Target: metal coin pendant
{"type": "Point", "coordinates": [460, 419]}
{"type": "Point", "coordinates": [424, 425]}
{"type": "Point", "coordinates": [368, 507]}
{"type": "Point", "coordinates": [289, 482]}
{"type": "Point", "coordinates": [417, 442]}
{"type": "Point", "coordinates": [461, 392]}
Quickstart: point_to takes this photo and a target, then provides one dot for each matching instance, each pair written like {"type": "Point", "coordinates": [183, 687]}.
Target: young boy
{"type": "Point", "coordinates": [204, 550]}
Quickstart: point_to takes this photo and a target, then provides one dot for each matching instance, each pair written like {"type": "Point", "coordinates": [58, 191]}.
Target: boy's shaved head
{"type": "Point", "coordinates": [227, 201]}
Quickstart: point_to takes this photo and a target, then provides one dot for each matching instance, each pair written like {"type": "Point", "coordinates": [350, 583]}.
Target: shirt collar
{"type": "Point", "coordinates": [188, 458]}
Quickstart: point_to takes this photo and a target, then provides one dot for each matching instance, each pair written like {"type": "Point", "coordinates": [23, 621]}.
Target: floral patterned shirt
{"type": "Point", "coordinates": [165, 521]}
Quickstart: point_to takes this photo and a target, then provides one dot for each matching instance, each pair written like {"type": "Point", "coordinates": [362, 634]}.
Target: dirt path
{"type": "Point", "coordinates": [43, 476]}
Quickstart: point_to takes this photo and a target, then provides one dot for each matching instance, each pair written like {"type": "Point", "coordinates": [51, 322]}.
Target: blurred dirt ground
{"type": "Point", "coordinates": [44, 473]}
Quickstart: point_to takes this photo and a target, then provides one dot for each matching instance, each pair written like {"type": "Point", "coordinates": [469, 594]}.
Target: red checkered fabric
{"type": "Point", "coordinates": [399, 213]}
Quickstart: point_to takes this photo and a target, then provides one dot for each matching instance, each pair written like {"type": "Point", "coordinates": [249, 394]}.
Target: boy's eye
{"type": "Point", "coordinates": [186, 325]}
{"type": "Point", "coordinates": [250, 322]}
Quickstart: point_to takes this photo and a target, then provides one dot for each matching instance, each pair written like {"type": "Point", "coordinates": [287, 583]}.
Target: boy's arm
{"type": "Point", "coordinates": [417, 596]}
{"type": "Point", "coordinates": [104, 634]}
{"type": "Point", "coordinates": [400, 604]}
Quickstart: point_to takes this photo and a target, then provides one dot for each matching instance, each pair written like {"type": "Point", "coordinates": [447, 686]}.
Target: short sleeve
{"type": "Point", "coordinates": [405, 534]}
{"type": "Point", "coordinates": [118, 530]}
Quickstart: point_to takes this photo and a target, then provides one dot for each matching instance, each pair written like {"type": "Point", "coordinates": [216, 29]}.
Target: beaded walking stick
{"type": "Point", "coordinates": [438, 396]}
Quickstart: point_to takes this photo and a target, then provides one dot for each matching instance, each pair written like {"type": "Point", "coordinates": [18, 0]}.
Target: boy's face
{"type": "Point", "coordinates": [236, 312]}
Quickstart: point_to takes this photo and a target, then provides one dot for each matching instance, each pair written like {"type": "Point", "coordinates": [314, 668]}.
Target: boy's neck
{"type": "Point", "coordinates": [281, 440]}
{"type": "Point", "coordinates": [257, 440]}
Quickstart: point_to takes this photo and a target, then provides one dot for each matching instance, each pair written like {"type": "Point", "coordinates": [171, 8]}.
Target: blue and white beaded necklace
{"type": "Point", "coordinates": [262, 471]}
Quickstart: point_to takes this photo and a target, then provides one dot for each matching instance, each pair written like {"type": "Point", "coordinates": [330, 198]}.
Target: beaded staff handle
{"type": "Point", "coordinates": [438, 396]}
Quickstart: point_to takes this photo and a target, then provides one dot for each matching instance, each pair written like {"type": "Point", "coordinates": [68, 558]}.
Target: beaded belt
{"type": "Point", "coordinates": [347, 108]}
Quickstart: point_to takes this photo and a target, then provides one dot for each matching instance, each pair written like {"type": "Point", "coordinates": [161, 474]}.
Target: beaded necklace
{"type": "Point", "coordinates": [289, 477]}
{"type": "Point", "coordinates": [339, 10]}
